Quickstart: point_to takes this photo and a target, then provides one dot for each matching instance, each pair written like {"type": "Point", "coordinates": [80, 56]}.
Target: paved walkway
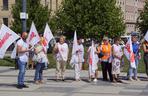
{"type": "Point", "coordinates": [8, 77]}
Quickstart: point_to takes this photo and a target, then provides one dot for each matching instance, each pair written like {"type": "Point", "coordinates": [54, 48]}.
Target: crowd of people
{"type": "Point", "coordinates": [110, 57]}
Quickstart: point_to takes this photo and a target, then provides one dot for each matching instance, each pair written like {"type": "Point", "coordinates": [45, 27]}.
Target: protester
{"type": "Point", "coordinates": [79, 59]}
{"type": "Point", "coordinates": [136, 47]}
{"type": "Point", "coordinates": [22, 51]}
{"type": "Point", "coordinates": [117, 57]}
{"type": "Point", "coordinates": [61, 54]}
{"type": "Point", "coordinates": [106, 59]}
{"type": "Point", "coordinates": [44, 44]}
{"type": "Point", "coordinates": [93, 61]}
{"type": "Point", "coordinates": [145, 49]}
{"type": "Point", "coordinates": [41, 58]}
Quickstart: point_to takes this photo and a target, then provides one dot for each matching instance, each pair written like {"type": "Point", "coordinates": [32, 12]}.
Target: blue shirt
{"type": "Point", "coordinates": [135, 48]}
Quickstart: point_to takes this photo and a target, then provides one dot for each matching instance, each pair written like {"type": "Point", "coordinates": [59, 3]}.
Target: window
{"type": "Point", "coordinates": [5, 21]}
{"type": "Point", "coordinates": [5, 4]}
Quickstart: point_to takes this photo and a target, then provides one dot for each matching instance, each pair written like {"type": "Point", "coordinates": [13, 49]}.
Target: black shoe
{"type": "Point", "coordinates": [105, 79]}
{"type": "Point", "coordinates": [19, 86]}
{"type": "Point", "coordinates": [25, 86]}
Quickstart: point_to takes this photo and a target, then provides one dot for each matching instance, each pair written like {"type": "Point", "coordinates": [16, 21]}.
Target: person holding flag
{"type": "Point", "coordinates": [133, 50]}
{"type": "Point", "coordinates": [23, 53]}
{"type": "Point", "coordinates": [77, 56]}
{"type": "Point", "coordinates": [61, 54]}
{"type": "Point", "coordinates": [145, 49]}
{"type": "Point", "coordinates": [41, 59]}
{"type": "Point", "coordinates": [93, 61]}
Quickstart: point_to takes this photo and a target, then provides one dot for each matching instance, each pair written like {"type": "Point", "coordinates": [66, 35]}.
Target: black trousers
{"type": "Point", "coordinates": [146, 63]}
{"type": "Point", "coordinates": [106, 67]}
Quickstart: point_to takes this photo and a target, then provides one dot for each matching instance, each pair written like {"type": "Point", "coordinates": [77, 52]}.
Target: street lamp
{"type": "Point", "coordinates": [24, 16]}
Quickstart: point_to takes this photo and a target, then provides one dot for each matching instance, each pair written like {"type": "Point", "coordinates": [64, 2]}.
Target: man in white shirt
{"type": "Point", "coordinates": [22, 51]}
{"type": "Point", "coordinates": [61, 51]}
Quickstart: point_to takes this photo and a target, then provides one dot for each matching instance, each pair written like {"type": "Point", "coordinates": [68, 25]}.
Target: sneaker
{"type": "Point", "coordinates": [95, 80]}
{"type": "Point", "coordinates": [36, 82]}
{"type": "Point", "coordinates": [136, 79]}
{"type": "Point", "coordinates": [130, 79]}
{"type": "Point", "coordinates": [19, 86]}
{"type": "Point", "coordinates": [25, 86]}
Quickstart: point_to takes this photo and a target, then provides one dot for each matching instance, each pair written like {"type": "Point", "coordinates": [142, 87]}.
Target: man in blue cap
{"type": "Point", "coordinates": [136, 47]}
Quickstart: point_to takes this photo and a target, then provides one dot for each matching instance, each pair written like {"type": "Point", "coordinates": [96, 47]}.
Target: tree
{"type": "Point", "coordinates": [36, 12]}
{"type": "Point", "coordinates": [90, 18]}
{"type": "Point", "coordinates": [143, 19]}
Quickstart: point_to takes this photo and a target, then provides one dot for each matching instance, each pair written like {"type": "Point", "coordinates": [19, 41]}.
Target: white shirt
{"type": "Point", "coordinates": [23, 56]}
{"type": "Point", "coordinates": [63, 51]}
{"type": "Point", "coordinates": [117, 50]}
{"type": "Point", "coordinates": [80, 53]}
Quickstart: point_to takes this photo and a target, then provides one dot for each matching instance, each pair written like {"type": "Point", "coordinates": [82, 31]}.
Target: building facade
{"type": "Point", "coordinates": [131, 10]}
{"type": "Point", "coordinates": [6, 5]}
{"type": "Point", "coordinates": [5, 11]}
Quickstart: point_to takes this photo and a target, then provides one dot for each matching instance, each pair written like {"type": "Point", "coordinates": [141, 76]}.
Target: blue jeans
{"type": "Point", "coordinates": [39, 71]}
{"type": "Point", "coordinates": [22, 70]}
{"type": "Point", "coordinates": [133, 71]}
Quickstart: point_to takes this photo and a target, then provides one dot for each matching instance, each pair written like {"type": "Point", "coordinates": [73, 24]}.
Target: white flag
{"type": "Point", "coordinates": [13, 54]}
{"type": "Point", "coordinates": [92, 61]}
{"type": "Point", "coordinates": [7, 37]}
{"type": "Point", "coordinates": [33, 36]}
{"type": "Point", "coordinates": [146, 36]}
{"type": "Point", "coordinates": [128, 51]}
{"type": "Point", "coordinates": [47, 35]}
{"type": "Point", "coordinates": [74, 49]}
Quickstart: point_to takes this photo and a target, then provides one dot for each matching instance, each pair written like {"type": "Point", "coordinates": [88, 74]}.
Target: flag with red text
{"type": "Point", "coordinates": [33, 36]}
{"type": "Point", "coordinates": [128, 51]}
{"type": "Point", "coordinates": [7, 37]}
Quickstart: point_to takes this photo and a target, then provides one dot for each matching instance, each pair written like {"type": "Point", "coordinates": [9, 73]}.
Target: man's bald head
{"type": "Point", "coordinates": [24, 35]}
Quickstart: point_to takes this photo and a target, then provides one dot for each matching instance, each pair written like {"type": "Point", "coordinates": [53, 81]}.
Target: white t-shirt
{"type": "Point", "coordinates": [63, 51]}
{"type": "Point", "coordinates": [23, 56]}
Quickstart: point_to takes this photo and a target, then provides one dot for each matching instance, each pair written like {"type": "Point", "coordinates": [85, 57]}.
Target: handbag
{"type": "Point", "coordinates": [100, 55]}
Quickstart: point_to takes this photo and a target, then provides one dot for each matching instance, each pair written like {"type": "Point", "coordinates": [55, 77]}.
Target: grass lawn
{"type": "Point", "coordinates": [7, 61]}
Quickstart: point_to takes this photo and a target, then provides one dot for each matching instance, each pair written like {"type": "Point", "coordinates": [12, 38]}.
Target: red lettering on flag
{"type": "Point", "coordinates": [128, 48]}
{"type": "Point", "coordinates": [44, 42]}
{"type": "Point", "coordinates": [132, 59]}
{"type": "Point", "coordinates": [4, 39]}
{"type": "Point", "coordinates": [90, 60]}
{"type": "Point", "coordinates": [32, 36]}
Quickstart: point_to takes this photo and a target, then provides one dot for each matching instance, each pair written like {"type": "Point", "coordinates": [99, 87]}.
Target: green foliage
{"type": "Point", "coordinates": [36, 12]}
{"type": "Point", "coordinates": [143, 19]}
{"type": "Point", "coordinates": [91, 18]}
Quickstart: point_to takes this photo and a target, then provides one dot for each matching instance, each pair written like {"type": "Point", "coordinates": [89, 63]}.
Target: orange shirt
{"type": "Point", "coordinates": [106, 50]}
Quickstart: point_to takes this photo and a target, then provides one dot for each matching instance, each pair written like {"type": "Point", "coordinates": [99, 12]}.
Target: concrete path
{"type": "Point", "coordinates": [69, 87]}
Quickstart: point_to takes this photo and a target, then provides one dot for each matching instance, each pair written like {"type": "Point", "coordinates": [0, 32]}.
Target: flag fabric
{"type": "Point", "coordinates": [146, 36]}
{"type": "Point", "coordinates": [7, 37]}
{"type": "Point", "coordinates": [13, 54]}
{"type": "Point", "coordinates": [74, 49]}
{"type": "Point", "coordinates": [47, 35]}
{"type": "Point", "coordinates": [33, 36]}
{"type": "Point", "coordinates": [128, 51]}
{"type": "Point", "coordinates": [91, 60]}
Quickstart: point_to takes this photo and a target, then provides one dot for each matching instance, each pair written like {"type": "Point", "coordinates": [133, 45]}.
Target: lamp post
{"type": "Point", "coordinates": [23, 16]}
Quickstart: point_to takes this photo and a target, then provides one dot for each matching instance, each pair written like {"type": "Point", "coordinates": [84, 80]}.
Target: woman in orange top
{"type": "Point", "coordinates": [105, 60]}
